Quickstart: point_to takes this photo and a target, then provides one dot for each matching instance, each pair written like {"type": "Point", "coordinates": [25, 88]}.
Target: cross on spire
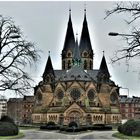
{"type": "Point", "coordinates": [85, 7]}
{"type": "Point", "coordinates": [103, 53]}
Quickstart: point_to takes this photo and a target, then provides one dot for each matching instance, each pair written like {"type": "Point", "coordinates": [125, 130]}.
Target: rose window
{"type": "Point", "coordinates": [75, 94]}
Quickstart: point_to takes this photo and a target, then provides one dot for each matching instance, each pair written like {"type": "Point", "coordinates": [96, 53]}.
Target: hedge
{"type": "Point", "coordinates": [6, 119]}
{"type": "Point", "coordinates": [50, 126]}
{"type": "Point", "coordinates": [8, 129]}
{"type": "Point", "coordinates": [130, 128]}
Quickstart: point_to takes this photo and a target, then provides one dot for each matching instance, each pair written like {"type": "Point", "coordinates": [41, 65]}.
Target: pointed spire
{"type": "Point", "coordinates": [103, 74]}
{"type": "Point", "coordinates": [76, 55]}
{"type": "Point", "coordinates": [76, 49]}
{"type": "Point", "coordinates": [103, 66]}
{"type": "Point", "coordinates": [49, 67]}
{"type": "Point", "coordinates": [85, 43]}
{"type": "Point", "coordinates": [69, 39]}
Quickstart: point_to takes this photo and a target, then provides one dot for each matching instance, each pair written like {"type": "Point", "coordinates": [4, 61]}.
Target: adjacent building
{"type": "Point", "coordinates": [3, 106]}
{"type": "Point", "coordinates": [77, 92]}
{"type": "Point", "coordinates": [20, 109]}
{"type": "Point", "coordinates": [130, 107]}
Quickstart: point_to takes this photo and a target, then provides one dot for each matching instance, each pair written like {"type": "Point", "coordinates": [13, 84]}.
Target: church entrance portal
{"type": "Point", "coordinates": [74, 116]}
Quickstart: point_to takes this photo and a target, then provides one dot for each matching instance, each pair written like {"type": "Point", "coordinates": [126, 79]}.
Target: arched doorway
{"type": "Point", "coordinates": [75, 116]}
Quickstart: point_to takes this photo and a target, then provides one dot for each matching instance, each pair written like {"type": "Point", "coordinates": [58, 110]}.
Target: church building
{"type": "Point", "coordinates": [78, 92]}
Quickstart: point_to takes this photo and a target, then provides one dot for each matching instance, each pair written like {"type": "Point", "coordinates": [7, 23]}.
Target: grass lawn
{"type": "Point", "coordinates": [20, 135]}
{"type": "Point", "coordinates": [122, 136]}
{"type": "Point", "coordinates": [27, 128]}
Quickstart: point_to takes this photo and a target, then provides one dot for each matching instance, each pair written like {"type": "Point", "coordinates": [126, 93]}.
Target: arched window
{"type": "Point", "coordinates": [91, 94]}
{"type": "Point", "coordinates": [69, 64]}
{"type": "Point", "coordinates": [85, 64]}
{"type": "Point", "coordinates": [48, 79]}
{"type": "Point", "coordinates": [60, 94]}
{"type": "Point", "coordinates": [63, 65]}
{"type": "Point", "coordinates": [90, 64]}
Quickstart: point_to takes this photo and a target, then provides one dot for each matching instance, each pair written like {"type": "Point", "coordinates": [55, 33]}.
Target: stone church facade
{"type": "Point", "coordinates": [78, 92]}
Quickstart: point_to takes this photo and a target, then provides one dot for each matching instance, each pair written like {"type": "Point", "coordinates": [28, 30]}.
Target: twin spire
{"type": "Point", "coordinates": [72, 45]}
{"type": "Point", "coordinates": [74, 54]}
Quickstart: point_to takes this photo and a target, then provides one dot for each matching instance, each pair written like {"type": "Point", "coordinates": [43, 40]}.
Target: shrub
{"type": "Point", "coordinates": [63, 128]}
{"type": "Point", "coordinates": [100, 127]}
{"type": "Point", "coordinates": [8, 129]}
{"type": "Point", "coordinates": [120, 129]}
{"type": "Point", "coordinates": [6, 119]}
{"type": "Point", "coordinates": [70, 129]}
{"type": "Point", "coordinates": [43, 127]}
{"type": "Point", "coordinates": [50, 123]}
{"type": "Point", "coordinates": [84, 128]}
{"type": "Point", "coordinates": [73, 124]}
{"type": "Point", "coordinates": [130, 128]}
{"type": "Point", "coordinates": [50, 126]}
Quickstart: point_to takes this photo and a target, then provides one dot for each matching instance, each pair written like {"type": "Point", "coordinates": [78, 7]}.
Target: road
{"type": "Point", "coordinates": [36, 134]}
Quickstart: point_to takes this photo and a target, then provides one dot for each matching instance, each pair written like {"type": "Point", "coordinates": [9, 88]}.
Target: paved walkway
{"type": "Point", "coordinates": [37, 134]}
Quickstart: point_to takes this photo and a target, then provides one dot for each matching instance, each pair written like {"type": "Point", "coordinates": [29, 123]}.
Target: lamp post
{"type": "Point", "coordinates": [118, 34]}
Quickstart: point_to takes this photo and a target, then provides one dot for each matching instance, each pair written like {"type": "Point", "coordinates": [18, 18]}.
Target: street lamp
{"type": "Point", "coordinates": [118, 34]}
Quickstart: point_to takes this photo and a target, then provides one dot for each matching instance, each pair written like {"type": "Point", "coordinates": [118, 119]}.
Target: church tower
{"type": "Point", "coordinates": [48, 75]}
{"type": "Point", "coordinates": [69, 45]}
{"type": "Point", "coordinates": [103, 74]}
{"type": "Point", "coordinates": [85, 47]}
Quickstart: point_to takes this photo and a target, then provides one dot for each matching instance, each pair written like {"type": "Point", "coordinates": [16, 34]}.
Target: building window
{"type": "Point", "coordinates": [60, 94]}
{"type": "Point", "coordinates": [85, 64]}
{"type": "Point", "coordinates": [113, 97]}
{"type": "Point", "coordinates": [69, 64]}
{"type": "Point", "coordinates": [91, 94]}
{"type": "Point", "coordinates": [63, 64]}
{"type": "Point", "coordinates": [75, 94]}
{"type": "Point", "coordinates": [37, 117]}
{"type": "Point", "coordinates": [90, 64]}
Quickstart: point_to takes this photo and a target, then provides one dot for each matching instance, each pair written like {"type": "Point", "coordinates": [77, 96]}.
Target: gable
{"type": "Point", "coordinates": [74, 107]}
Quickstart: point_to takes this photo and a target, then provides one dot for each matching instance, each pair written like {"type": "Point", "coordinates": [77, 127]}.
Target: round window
{"type": "Point", "coordinates": [85, 54]}
{"type": "Point", "coordinates": [91, 94]}
{"type": "Point", "coordinates": [75, 94]}
{"type": "Point", "coordinates": [60, 94]}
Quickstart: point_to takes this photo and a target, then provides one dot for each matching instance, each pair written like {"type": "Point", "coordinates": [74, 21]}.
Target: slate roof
{"type": "Point", "coordinates": [29, 98]}
{"type": "Point", "coordinates": [15, 100]}
{"type": "Point", "coordinates": [59, 73]}
{"type": "Point", "coordinates": [75, 73]}
{"type": "Point", "coordinates": [86, 74]}
{"type": "Point", "coordinates": [129, 100]}
{"type": "Point", "coordinates": [93, 74]}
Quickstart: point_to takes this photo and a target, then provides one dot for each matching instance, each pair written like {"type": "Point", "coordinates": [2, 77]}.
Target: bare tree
{"type": "Point", "coordinates": [132, 48]}
{"type": "Point", "coordinates": [15, 54]}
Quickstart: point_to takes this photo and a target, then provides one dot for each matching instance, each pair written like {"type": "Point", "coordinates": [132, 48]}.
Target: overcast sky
{"type": "Point", "coordinates": [45, 23]}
